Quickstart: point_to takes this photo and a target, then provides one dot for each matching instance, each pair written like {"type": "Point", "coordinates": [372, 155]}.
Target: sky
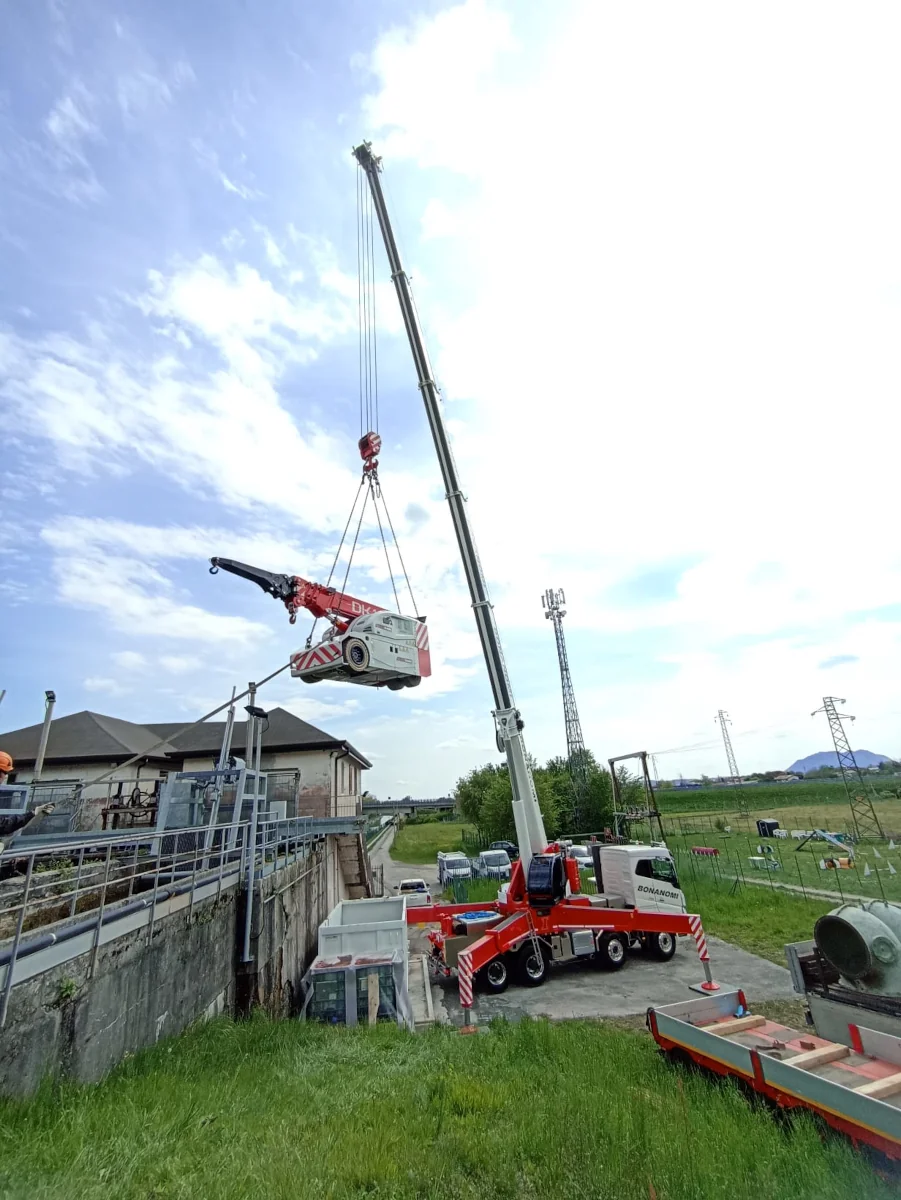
{"type": "Point", "coordinates": [657, 256]}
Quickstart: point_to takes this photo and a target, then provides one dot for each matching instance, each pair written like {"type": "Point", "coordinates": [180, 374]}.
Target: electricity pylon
{"type": "Point", "coordinates": [866, 823]}
{"type": "Point", "coordinates": [552, 602]}
{"type": "Point", "coordinates": [735, 779]}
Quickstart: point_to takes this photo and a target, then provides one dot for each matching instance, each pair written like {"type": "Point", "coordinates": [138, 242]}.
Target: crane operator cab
{"type": "Point", "coordinates": [380, 649]}
{"type": "Point", "coordinates": [546, 881]}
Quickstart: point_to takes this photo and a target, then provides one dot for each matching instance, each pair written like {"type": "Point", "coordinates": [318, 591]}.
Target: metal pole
{"type": "Point", "coordinates": [251, 833]}
{"type": "Point", "coordinates": [227, 733]}
{"type": "Point", "coordinates": [14, 952]}
{"type": "Point", "coordinates": [45, 734]}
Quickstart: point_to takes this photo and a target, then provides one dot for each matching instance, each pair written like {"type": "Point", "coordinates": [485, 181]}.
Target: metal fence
{"type": "Point", "coordinates": [86, 887]}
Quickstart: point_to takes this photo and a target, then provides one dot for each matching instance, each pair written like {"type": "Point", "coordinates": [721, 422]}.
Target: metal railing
{"type": "Point", "coordinates": [73, 891]}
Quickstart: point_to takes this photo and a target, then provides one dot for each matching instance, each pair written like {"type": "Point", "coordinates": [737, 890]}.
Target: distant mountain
{"type": "Point", "coordinates": [828, 758]}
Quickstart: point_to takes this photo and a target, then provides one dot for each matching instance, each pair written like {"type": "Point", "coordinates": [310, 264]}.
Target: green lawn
{"type": "Point", "coordinates": [421, 843]}
{"type": "Point", "coordinates": [536, 1110]}
{"type": "Point", "coordinates": [759, 919]}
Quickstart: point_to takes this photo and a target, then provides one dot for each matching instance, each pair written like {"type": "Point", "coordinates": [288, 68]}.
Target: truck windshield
{"type": "Point", "coordinates": [579, 851]}
{"type": "Point", "coordinates": [496, 858]}
{"type": "Point", "coordinates": [657, 868]}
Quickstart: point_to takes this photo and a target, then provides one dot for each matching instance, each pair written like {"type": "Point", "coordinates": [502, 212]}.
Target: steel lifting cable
{"type": "Point", "coordinates": [369, 402]}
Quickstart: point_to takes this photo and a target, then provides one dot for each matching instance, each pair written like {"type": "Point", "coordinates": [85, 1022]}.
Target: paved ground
{"type": "Point", "coordinates": [584, 991]}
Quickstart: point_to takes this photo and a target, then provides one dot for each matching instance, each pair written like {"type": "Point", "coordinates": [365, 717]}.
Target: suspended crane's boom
{"type": "Point", "coordinates": [296, 593]}
{"type": "Point", "coordinates": [530, 832]}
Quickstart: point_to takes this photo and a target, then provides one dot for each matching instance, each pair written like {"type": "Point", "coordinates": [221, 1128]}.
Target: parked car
{"type": "Point", "coordinates": [492, 864]}
{"type": "Point", "coordinates": [453, 865]}
{"type": "Point", "coordinates": [582, 855]}
{"type": "Point", "coordinates": [512, 850]}
{"type": "Point", "coordinates": [416, 892]}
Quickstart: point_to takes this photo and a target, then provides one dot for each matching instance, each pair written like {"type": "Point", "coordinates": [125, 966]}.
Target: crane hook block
{"type": "Point", "coordinates": [370, 445]}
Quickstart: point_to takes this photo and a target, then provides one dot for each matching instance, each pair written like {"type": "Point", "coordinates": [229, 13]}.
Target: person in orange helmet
{"type": "Point", "coordinates": [6, 765]}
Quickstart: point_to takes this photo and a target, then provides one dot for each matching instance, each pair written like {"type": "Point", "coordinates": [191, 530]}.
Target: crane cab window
{"type": "Point", "coordinates": [657, 868]}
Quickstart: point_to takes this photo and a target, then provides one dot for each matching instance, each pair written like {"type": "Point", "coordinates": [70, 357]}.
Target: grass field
{"type": "Point", "coordinates": [756, 918]}
{"type": "Point", "coordinates": [835, 817]}
{"type": "Point", "coordinates": [770, 795]}
{"type": "Point", "coordinates": [535, 1110]}
{"type": "Point", "coordinates": [421, 843]}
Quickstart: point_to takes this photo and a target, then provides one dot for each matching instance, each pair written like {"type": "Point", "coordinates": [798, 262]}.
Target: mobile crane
{"type": "Point", "coordinates": [363, 644]}
{"type": "Point", "coordinates": [539, 915]}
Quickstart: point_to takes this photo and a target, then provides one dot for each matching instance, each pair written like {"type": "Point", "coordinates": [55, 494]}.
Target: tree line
{"type": "Point", "coordinates": [485, 798]}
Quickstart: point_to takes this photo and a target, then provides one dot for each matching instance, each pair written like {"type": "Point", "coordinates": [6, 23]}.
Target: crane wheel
{"type": "Point", "coordinates": [611, 954]}
{"type": "Point", "coordinates": [356, 655]}
{"type": "Point", "coordinates": [494, 977]}
{"type": "Point", "coordinates": [395, 685]}
{"type": "Point", "coordinates": [661, 946]}
{"type": "Point", "coordinates": [531, 965]}
{"type": "Point", "coordinates": [413, 681]}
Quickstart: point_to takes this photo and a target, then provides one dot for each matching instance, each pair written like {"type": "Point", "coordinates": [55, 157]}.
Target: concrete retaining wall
{"type": "Point", "coordinates": [69, 1023]}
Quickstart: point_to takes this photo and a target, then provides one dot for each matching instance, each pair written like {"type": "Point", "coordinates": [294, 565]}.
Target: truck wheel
{"type": "Point", "coordinates": [395, 685]}
{"type": "Point", "coordinates": [413, 681]}
{"type": "Point", "coordinates": [611, 955]}
{"type": "Point", "coordinates": [494, 977]}
{"type": "Point", "coordinates": [356, 655]}
{"type": "Point", "coordinates": [661, 946]}
{"type": "Point", "coordinates": [531, 965]}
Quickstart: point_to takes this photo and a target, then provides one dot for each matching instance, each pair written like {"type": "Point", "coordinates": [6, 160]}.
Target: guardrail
{"type": "Point", "coordinates": [76, 890]}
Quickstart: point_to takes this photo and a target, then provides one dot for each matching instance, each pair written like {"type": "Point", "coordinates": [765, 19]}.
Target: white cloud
{"type": "Point", "coordinates": [677, 336]}
{"type": "Point", "coordinates": [178, 664]}
{"type": "Point", "coordinates": [129, 660]}
{"type": "Point", "coordinates": [103, 406]}
{"type": "Point", "coordinates": [111, 687]}
{"type": "Point", "coordinates": [69, 124]}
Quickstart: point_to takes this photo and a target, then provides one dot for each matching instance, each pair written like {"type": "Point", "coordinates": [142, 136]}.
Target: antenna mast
{"type": "Point", "coordinates": [866, 823]}
{"type": "Point", "coordinates": [552, 602]}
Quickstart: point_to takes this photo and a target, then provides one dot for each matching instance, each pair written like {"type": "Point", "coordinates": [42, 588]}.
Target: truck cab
{"type": "Point", "coordinates": [639, 877]}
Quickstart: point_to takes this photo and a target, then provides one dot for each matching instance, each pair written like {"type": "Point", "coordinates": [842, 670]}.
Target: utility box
{"type": "Point", "coordinates": [767, 827]}
{"type": "Point", "coordinates": [360, 927]}
{"type": "Point", "coordinates": [358, 989]}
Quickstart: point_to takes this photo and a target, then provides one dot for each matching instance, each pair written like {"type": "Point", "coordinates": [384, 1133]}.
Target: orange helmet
{"type": "Point", "coordinates": [6, 762]}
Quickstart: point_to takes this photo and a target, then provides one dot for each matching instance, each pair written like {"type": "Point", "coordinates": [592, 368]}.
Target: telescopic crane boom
{"type": "Point", "coordinates": [295, 593]}
{"type": "Point", "coordinates": [530, 832]}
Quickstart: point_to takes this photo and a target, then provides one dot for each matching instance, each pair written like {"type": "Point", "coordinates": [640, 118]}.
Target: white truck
{"type": "Point", "coordinates": [453, 865]}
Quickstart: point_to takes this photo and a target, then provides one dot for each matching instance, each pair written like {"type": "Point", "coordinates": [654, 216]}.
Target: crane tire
{"type": "Point", "coordinates": [413, 681]}
{"type": "Point", "coordinates": [356, 655]}
{"type": "Point", "coordinates": [494, 977]}
{"type": "Point", "coordinates": [531, 965]}
{"type": "Point", "coordinates": [612, 952]}
{"type": "Point", "coordinates": [395, 685]}
{"type": "Point", "coordinates": [661, 946]}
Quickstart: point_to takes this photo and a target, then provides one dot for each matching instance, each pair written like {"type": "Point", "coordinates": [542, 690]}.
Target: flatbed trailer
{"type": "Point", "coordinates": [855, 1088]}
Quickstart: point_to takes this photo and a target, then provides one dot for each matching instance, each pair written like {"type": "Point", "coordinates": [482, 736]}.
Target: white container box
{"type": "Point", "coordinates": [366, 927]}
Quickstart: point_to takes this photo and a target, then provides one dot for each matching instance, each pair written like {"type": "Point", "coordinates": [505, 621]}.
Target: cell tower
{"type": "Point", "coordinates": [866, 823]}
{"type": "Point", "coordinates": [552, 602]}
{"type": "Point", "coordinates": [734, 778]}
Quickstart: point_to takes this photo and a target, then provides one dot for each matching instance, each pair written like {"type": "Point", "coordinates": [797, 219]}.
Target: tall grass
{"type": "Point", "coordinates": [287, 1111]}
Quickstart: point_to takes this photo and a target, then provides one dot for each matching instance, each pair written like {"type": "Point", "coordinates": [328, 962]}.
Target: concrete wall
{"type": "Point", "coordinates": [69, 1023]}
